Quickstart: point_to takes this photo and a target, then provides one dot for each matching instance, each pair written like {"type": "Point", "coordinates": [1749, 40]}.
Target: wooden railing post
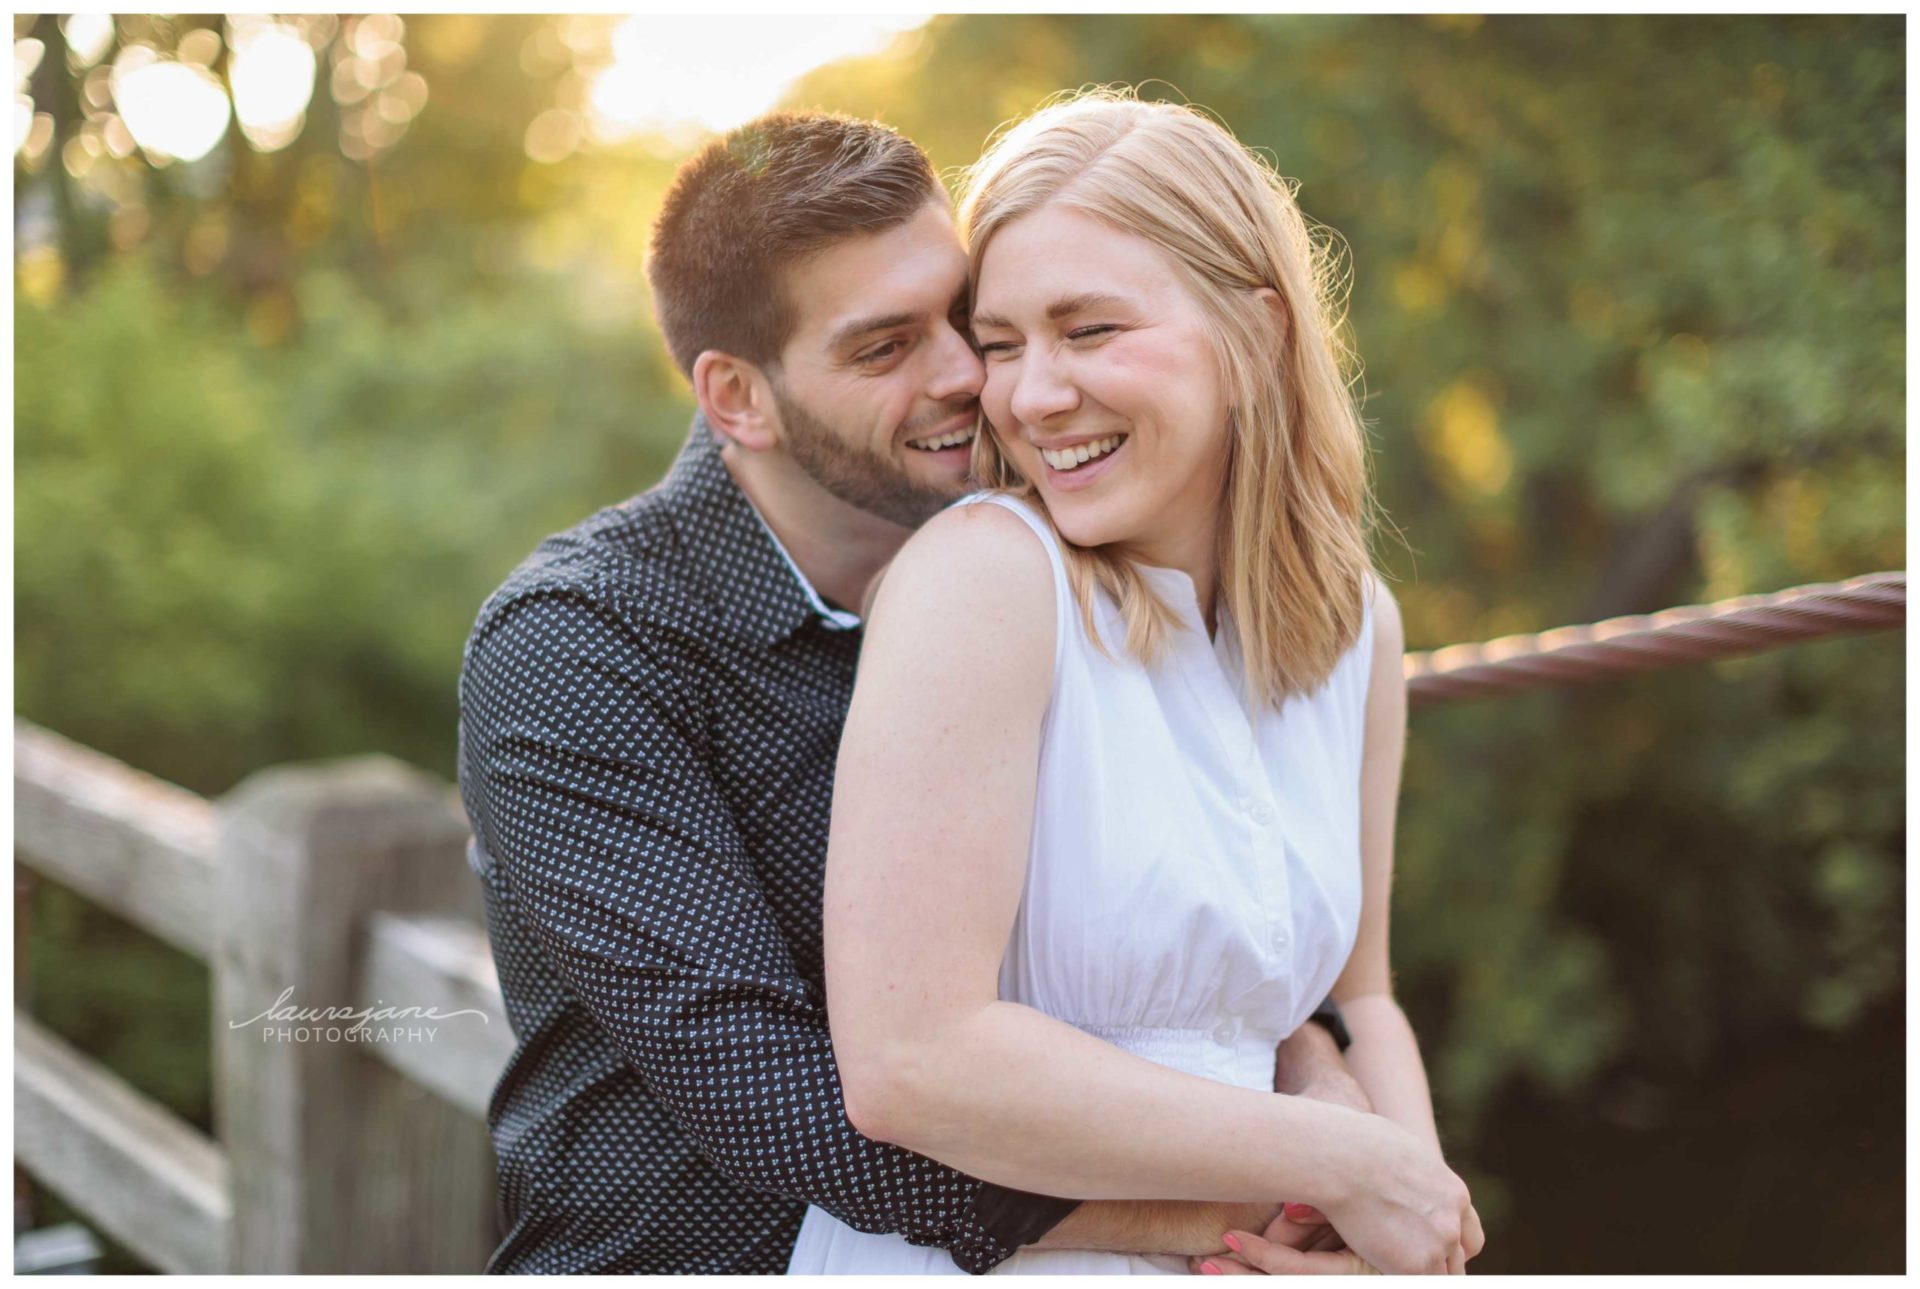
{"type": "Point", "coordinates": [341, 1163]}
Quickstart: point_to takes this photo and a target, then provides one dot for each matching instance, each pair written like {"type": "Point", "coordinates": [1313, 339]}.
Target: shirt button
{"type": "Point", "coordinates": [1262, 815]}
{"type": "Point", "coordinates": [1226, 1031]}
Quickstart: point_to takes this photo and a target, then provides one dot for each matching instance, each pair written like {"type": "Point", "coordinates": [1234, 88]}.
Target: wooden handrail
{"type": "Point", "coordinates": [146, 1176]}
{"type": "Point", "coordinates": [136, 845]}
{"type": "Point", "coordinates": [336, 881]}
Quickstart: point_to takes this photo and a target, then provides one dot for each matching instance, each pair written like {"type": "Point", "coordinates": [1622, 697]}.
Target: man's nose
{"type": "Point", "coordinates": [958, 371]}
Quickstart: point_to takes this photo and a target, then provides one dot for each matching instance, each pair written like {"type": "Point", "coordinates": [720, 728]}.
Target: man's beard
{"type": "Point", "coordinates": [864, 480]}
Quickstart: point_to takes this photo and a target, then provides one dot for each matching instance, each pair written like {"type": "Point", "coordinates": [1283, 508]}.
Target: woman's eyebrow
{"type": "Point", "coordinates": [1065, 306]}
{"type": "Point", "coordinates": [1081, 303]}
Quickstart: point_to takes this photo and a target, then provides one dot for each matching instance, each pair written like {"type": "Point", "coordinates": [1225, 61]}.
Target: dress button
{"type": "Point", "coordinates": [1226, 1031]}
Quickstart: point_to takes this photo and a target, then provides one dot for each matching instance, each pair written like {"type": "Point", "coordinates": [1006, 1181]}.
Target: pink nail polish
{"type": "Point", "coordinates": [1208, 1269]}
{"type": "Point", "coordinates": [1233, 1241]}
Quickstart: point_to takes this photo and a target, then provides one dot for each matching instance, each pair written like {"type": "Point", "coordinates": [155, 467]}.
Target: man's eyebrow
{"type": "Point", "coordinates": [1064, 306]}
{"type": "Point", "coordinates": [867, 326]}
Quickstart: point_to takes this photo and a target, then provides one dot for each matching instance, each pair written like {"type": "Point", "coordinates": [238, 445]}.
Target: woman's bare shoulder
{"type": "Point", "coordinates": [970, 562]}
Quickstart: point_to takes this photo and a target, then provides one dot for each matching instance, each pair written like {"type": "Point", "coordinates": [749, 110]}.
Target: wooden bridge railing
{"type": "Point", "coordinates": [345, 886]}
{"type": "Point", "coordinates": [340, 1151]}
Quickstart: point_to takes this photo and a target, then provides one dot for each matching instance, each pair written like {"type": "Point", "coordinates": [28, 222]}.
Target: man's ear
{"type": "Point", "coordinates": [737, 399]}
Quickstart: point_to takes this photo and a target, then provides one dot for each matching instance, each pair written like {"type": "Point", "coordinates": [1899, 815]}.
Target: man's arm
{"type": "Point", "coordinates": [582, 732]}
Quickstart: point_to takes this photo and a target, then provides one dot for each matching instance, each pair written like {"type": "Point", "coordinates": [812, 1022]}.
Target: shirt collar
{"type": "Point", "coordinates": [756, 588]}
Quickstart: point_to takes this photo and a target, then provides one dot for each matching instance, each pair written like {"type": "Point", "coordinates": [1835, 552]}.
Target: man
{"type": "Point", "coordinates": [650, 710]}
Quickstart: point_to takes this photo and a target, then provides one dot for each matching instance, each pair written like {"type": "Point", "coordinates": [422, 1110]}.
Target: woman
{"type": "Point", "coordinates": [1114, 805]}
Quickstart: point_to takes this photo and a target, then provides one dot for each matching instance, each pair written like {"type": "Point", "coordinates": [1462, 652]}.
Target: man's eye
{"type": "Point", "coordinates": [880, 354]}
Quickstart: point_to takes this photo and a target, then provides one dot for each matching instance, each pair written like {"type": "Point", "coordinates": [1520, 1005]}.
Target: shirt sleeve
{"type": "Point", "coordinates": [584, 730]}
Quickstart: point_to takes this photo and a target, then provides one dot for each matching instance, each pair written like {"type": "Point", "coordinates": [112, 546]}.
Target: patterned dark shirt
{"type": "Point", "coordinates": [650, 710]}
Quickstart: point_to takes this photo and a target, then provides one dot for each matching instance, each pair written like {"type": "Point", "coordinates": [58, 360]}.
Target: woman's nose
{"type": "Point", "coordinates": [1042, 391]}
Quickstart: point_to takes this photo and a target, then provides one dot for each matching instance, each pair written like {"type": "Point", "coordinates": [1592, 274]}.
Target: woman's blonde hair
{"type": "Point", "coordinates": [1293, 551]}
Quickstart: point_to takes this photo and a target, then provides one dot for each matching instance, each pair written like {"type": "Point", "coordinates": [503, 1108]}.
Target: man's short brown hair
{"type": "Point", "coordinates": [754, 201]}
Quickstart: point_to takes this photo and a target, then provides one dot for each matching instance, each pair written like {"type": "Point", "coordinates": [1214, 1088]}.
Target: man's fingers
{"type": "Point", "coordinates": [1293, 1235]}
{"type": "Point", "coordinates": [1324, 1240]}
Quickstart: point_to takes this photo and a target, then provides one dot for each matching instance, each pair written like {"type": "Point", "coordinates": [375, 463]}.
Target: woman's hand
{"type": "Point", "coordinates": [1283, 1248]}
{"type": "Point", "coordinates": [1401, 1208]}
{"type": "Point", "coordinates": [1266, 1255]}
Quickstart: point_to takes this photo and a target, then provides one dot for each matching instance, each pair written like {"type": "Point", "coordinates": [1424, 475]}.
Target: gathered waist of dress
{"type": "Point", "coordinates": [1228, 1052]}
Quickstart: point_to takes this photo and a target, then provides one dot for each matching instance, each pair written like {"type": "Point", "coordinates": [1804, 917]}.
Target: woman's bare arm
{"type": "Point", "coordinates": [1385, 1057]}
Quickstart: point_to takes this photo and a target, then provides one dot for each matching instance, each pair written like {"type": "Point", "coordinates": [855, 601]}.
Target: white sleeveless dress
{"type": "Point", "coordinates": [1193, 884]}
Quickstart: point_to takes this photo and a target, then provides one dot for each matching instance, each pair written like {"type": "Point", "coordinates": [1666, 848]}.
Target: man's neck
{"type": "Point", "coordinates": [838, 548]}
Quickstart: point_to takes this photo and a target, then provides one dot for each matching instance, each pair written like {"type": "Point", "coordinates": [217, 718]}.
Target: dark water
{"type": "Point", "coordinates": [1792, 1159]}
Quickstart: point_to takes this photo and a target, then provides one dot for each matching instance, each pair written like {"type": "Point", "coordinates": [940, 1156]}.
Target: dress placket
{"type": "Point", "coordinates": [1212, 671]}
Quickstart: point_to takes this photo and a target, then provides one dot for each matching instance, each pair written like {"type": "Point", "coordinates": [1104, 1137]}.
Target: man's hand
{"type": "Point", "coordinates": [1309, 1064]}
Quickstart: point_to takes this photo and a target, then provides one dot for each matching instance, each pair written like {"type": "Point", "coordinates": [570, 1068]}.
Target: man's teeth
{"type": "Point", "coordinates": [952, 440]}
{"type": "Point", "coordinates": [1075, 457]}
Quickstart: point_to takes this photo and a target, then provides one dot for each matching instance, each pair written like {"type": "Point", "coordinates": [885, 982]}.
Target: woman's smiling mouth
{"type": "Point", "coordinates": [1081, 464]}
{"type": "Point", "coordinates": [1074, 457]}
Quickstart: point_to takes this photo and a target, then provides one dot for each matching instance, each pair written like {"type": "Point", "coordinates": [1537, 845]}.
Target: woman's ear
{"type": "Point", "coordinates": [1277, 310]}
{"type": "Point", "coordinates": [737, 400]}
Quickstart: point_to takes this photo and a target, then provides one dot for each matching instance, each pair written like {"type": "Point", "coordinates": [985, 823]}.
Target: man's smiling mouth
{"type": "Point", "coordinates": [952, 440]}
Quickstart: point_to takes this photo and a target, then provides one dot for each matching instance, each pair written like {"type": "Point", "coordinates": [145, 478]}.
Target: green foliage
{"type": "Point", "coordinates": [231, 557]}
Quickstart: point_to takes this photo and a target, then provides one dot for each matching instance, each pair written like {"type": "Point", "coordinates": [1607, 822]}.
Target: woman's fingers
{"type": "Point", "coordinates": [1303, 1214]}
{"type": "Point", "coordinates": [1279, 1260]}
{"type": "Point", "coordinates": [1221, 1264]}
{"type": "Point", "coordinates": [1472, 1238]}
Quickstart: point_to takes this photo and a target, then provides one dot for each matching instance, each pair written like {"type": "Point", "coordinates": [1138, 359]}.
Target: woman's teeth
{"type": "Point", "coordinates": [952, 440]}
{"type": "Point", "coordinates": [1075, 457]}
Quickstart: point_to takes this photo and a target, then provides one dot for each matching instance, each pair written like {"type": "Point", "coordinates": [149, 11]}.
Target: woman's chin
{"type": "Point", "coordinates": [1083, 525]}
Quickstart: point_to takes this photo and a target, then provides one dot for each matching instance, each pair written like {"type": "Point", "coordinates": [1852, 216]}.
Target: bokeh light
{"type": "Point", "coordinates": [88, 35]}
{"type": "Point", "coordinates": [172, 109]}
{"type": "Point", "coordinates": [272, 77]}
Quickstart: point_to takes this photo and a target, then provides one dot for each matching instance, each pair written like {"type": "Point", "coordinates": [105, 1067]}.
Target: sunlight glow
{"type": "Point", "coordinates": [671, 72]}
{"type": "Point", "coordinates": [172, 109]}
{"type": "Point", "coordinates": [272, 76]}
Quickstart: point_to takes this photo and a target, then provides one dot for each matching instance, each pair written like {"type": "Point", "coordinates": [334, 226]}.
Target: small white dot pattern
{"type": "Point", "coordinates": [649, 715]}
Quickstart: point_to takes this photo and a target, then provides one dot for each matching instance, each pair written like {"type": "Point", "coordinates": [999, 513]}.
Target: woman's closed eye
{"type": "Point", "coordinates": [1078, 333]}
